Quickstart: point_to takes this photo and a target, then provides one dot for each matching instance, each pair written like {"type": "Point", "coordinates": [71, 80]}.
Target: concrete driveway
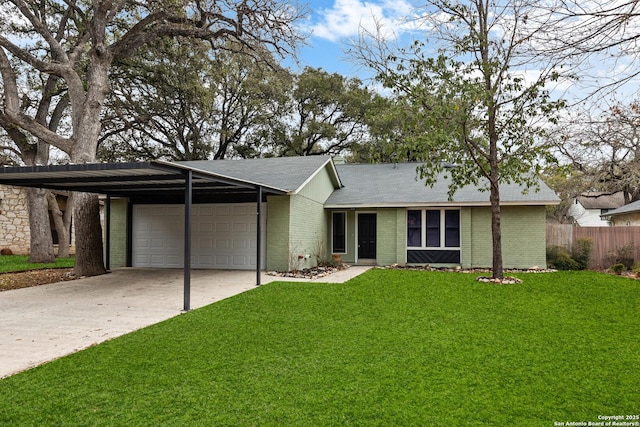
{"type": "Point", "coordinates": [46, 322]}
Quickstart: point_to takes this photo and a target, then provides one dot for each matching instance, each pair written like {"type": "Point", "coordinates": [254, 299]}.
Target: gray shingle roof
{"type": "Point", "coordinates": [285, 173]}
{"type": "Point", "coordinates": [398, 185]}
{"type": "Point", "coordinates": [631, 207]}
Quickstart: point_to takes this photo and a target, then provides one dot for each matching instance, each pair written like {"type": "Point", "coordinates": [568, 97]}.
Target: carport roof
{"type": "Point", "coordinates": [282, 175]}
{"type": "Point", "coordinates": [131, 179]}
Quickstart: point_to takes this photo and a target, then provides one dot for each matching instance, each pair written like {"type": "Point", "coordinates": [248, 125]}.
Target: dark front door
{"type": "Point", "coordinates": [367, 236]}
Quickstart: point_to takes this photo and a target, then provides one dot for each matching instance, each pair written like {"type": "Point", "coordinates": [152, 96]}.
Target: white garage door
{"type": "Point", "coordinates": [223, 236]}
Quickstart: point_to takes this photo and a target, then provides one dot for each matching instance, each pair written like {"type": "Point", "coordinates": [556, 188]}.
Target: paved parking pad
{"type": "Point", "coordinates": [46, 322]}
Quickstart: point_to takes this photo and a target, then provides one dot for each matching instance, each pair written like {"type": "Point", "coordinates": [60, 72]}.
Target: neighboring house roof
{"type": "Point", "coordinates": [626, 209]}
{"type": "Point", "coordinates": [289, 174]}
{"type": "Point", "coordinates": [400, 185]}
{"type": "Point", "coordinates": [601, 200]}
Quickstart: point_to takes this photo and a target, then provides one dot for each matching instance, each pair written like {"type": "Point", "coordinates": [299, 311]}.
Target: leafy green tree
{"type": "Point", "coordinates": [188, 105]}
{"type": "Point", "coordinates": [159, 104]}
{"type": "Point", "coordinates": [326, 115]}
{"type": "Point", "coordinates": [479, 107]}
{"type": "Point", "coordinates": [568, 183]}
{"type": "Point", "coordinates": [391, 123]}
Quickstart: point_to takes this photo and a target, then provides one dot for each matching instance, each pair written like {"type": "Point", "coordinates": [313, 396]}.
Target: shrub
{"type": "Point", "coordinates": [329, 263]}
{"type": "Point", "coordinates": [617, 268]}
{"type": "Point", "coordinates": [622, 255]}
{"type": "Point", "coordinates": [581, 252]}
{"type": "Point", "coordinates": [558, 257]}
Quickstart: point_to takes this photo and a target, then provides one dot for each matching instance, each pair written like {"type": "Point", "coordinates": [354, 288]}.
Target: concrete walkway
{"type": "Point", "coordinates": [46, 322]}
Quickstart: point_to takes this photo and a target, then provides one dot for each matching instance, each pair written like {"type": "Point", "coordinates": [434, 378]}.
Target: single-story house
{"type": "Point", "coordinates": [309, 209]}
{"type": "Point", "coordinates": [625, 215]}
{"type": "Point", "coordinates": [588, 208]}
{"type": "Point", "coordinates": [367, 213]}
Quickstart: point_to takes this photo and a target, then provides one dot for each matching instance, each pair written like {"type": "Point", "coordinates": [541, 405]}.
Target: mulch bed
{"type": "Point", "coordinates": [26, 279]}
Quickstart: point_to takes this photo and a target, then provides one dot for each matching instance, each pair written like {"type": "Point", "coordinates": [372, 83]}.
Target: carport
{"type": "Point", "coordinates": [169, 180]}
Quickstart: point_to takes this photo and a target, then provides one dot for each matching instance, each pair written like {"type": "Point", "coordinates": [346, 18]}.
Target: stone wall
{"type": "Point", "coordinates": [14, 220]}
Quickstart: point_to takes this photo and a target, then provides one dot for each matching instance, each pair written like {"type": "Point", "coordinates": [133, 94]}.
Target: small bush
{"type": "Point", "coordinates": [558, 257]}
{"type": "Point", "coordinates": [622, 255]}
{"type": "Point", "coordinates": [581, 252]}
{"type": "Point", "coordinates": [329, 263]}
{"type": "Point", "coordinates": [617, 268]}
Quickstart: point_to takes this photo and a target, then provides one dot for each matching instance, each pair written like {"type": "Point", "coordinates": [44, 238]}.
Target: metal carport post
{"type": "Point", "coordinates": [188, 200]}
{"type": "Point", "coordinates": [258, 239]}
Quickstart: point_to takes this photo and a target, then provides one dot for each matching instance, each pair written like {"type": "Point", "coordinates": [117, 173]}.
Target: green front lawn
{"type": "Point", "coordinates": [387, 348]}
{"type": "Point", "coordinates": [11, 263]}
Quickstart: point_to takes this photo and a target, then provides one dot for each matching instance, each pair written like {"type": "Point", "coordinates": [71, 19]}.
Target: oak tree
{"type": "Point", "coordinates": [77, 43]}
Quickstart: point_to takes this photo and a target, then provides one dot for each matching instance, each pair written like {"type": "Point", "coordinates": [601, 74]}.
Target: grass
{"type": "Point", "coordinates": [13, 263]}
{"type": "Point", "coordinates": [387, 348]}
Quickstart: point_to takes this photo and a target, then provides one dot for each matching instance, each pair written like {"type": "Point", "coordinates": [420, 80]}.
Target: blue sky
{"type": "Point", "coordinates": [333, 23]}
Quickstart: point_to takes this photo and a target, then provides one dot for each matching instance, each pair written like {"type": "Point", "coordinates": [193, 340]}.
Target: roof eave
{"type": "Point", "coordinates": [434, 204]}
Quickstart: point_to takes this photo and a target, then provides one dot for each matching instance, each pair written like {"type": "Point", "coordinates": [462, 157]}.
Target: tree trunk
{"type": "Point", "coordinates": [66, 220]}
{"type": "Point", "coordinates": [494, 182]}
{"type": "Point", "coordinates": [89, 257]}
{"type": "Point", "coordinates": [496, 232]}
{"type": "Point", "coordinates": [40, 229]}
{"type": "Point", "coordinates": [59, 223]}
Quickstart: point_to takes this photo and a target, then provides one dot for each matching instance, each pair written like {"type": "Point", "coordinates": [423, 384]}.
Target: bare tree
{"type": "Point", "coordinates": [77, 42]}
{"type": "Point", "coordinates": [604, 147]}
{"type": "Point", "coordinates": [599, 39]}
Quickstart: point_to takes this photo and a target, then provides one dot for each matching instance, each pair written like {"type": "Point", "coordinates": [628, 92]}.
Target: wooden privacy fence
{"type": "Point", "coordinates": [604, 240]}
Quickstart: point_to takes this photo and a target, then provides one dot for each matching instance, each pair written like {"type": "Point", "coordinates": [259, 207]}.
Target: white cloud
{"type": "Point", "coordinates": [346, 17]}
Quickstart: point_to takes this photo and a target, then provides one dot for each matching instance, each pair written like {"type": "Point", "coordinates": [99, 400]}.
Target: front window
{"type": "Point", "coordinates": [339, 233]}
{"type": "Point", "coordinates": [414, 228]}
{"type": "Point", "coordinates": [452, 229]}
{"type": "Point", "coordinates": [433, 228]}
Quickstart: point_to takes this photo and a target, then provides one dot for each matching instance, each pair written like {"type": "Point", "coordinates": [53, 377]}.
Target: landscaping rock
{"type": "Point", "coordinates": [503, 281]}
{"type": "Point", "coordinates": [309, 273]}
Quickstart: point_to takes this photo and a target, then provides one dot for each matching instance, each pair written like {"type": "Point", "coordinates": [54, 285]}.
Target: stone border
{"type": "Point", "coordinates": [507, 280]}
{"type": "Point", "coordinates": [323, 271]}
{"type": "Point", "coordinates": [309, 273]}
